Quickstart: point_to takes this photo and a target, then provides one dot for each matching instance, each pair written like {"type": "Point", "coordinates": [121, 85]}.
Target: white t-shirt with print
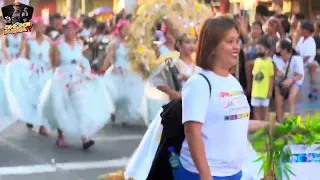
{"type": "Point", "coordinates": [296, 66]}
{"type": "Point", "coordinates": [307, 47]}
{"type": "Point", "coordinates": [225, 118]}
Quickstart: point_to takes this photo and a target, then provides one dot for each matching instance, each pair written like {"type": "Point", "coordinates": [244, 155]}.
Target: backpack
{"type": "Point", "coordinates": [172, 135]}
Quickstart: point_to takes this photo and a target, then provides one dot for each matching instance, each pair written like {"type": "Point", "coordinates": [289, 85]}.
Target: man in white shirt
{"type": "Point", "coordinates": [306, 47]}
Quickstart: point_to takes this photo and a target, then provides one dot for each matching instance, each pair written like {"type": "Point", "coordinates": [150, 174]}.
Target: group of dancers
{"type": "Point", "coordinates": [49, 84]}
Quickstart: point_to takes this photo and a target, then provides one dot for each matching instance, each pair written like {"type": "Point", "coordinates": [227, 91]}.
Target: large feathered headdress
{"type": "Point", "coordinates": [184, 16]}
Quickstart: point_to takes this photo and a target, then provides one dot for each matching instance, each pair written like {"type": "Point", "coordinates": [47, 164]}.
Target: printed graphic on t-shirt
{"type": "Point", "coordinates": [237, 116]}
{"type": "Point", "coordinates": [259, 76]}
{"type": "Point", "coordinates": [236, 105]}
{"type": "Point", "coordinates": [230, 94]}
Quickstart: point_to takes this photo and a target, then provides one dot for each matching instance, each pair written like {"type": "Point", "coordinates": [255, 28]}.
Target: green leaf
{"type": "Point", "coordinates": [258, 144]}
{"type": "Point", "coordinates": [278, 172]}
{"type": "Point", "coordinates": [285, 172]}
{"type": "Point", "coordinates": [287, 167]}
{"type": "Point", "coordinates": [259, 159]}
{"type": "Point", "coordinates": [297, 138]}
{"type": "Point", "coordinates": [308, 121]}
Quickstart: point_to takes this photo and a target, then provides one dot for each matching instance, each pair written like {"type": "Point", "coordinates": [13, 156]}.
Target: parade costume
{"type": "Point", "coordinates": [14, 43]}
{"type": "Point", "coordinates": [126, 87]}
{"type": "Point", "coordinates": [5, 113]}
{"type": "Point", "coordinates": [74, 100]}
{"type": "Point", "coordinates": [26, 79]}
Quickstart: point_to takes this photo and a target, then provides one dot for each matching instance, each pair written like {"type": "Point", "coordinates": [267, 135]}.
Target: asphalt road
{"type": "Point", "coordinates": [26, 155]}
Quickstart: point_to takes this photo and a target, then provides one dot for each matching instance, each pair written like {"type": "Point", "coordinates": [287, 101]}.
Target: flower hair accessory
{"type": "Point", "coordinates": [119, 26]}
{"type": "Point", "coordinates": [37, 20]}
{"type": "Point", "coordinates": [164, 29]}
{"type": "Point", "coordinates": [72, 21]}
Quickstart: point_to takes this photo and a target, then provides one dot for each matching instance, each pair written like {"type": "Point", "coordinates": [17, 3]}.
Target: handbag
{"type": "Point", "coordinates": [284, 91]}
{"type": "Point", "coordinates": [174, 71]}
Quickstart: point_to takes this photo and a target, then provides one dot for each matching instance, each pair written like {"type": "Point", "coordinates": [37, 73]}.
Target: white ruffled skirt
{"type": "Point", "coordinates": [24, 83]}
{"type": "Point", "coordinates": [127, 90]}
{"type": "Point", "coordinates": [5, 113]}
{"type": "Point", "coordinates": [75, 102]}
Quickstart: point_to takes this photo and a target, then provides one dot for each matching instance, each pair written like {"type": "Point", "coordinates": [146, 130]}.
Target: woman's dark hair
{"type": "Point", "coordinates": [180, 40]}
{"type": "Point", "coordinates": [118, 18]}
{"type": "Point", "coordinates": [265, 43]}
{"type": "Point", "coordinates": [101, 27]}
{"type": "Point", "coordinates": [87, 22]}
{"type": "Point", "coordinates": [300, 16]}
{"type": "Point", "coordinates": [212, 33]}
{"type": "Point", "coordinates": [129, 17]}
{"type": "Point", "coordinates": [257, 23]}
{"type": "Point", "coordinates": [262, 10]}
{"type": "Point", "coordinates": [306, 25]}
{"type": "Point", "coordinates": [158, 26]}
{"type": "Point", "coordinates": [286, 25]}
{"type": "Point", "coordinates": [282, 16]}
{"type": "Point", "coordinates": [54, 17]}
{"type": "Point", "coordinates": [287, 46]}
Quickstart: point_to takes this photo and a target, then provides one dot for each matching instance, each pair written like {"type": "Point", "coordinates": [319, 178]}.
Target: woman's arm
{"type": "Point", "coordinates": [55, 57]}
{"type": "Point", "coordinates": [173, 94]}
{"type": "Point", "coordinates": [23, 44]}
{"type": "Point", "coordinates": [109, 57]}
{"type": "Point", "coordinates": [5, 51]}
{"type": "Point", "coordinates": [27, 51]}
{"type": "Point", "coordinates": [196, 147]}
{"type": "Point", "coordinates": [195, 92]}
{"type": "Point", "coordinates": [256, 125]}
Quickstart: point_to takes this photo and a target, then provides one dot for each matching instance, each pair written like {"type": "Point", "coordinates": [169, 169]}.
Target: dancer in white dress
{"type": "Point", "coordinates": [16, 44]}
{"type": "Point", "coordinates": [38, 50]}
{"type": "Point", "coordinates": [74, 101]}
{"type": "Point", "coordinates": [5, 114]}
{"type": "Point", "coordinates": [27, 77]}
{"type": "Point", "coordinates": [125, 86]}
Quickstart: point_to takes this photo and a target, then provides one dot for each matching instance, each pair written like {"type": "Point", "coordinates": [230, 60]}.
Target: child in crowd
{"type": "Point", "coordinates": [262, 83]}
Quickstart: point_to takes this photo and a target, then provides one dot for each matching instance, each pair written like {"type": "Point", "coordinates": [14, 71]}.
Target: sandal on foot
{"type": "Point", "coordinates": [88, 145]}
{"type": "Point", "coordinates": [30, 126]}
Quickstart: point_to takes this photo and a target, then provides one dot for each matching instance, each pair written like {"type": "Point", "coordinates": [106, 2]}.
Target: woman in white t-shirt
{"type": "Point", "coordinates": [306, 48]}
{"type": "Point", "coordinates": [216, 124]}
{"type": "Point", "coordinates": [294, 77]}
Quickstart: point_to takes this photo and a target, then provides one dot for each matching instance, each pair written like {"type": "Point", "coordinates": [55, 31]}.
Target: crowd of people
{"type": "Point", "coordinates": [75, 75]}
{"type": "Point", "coordinates": [272, 32]}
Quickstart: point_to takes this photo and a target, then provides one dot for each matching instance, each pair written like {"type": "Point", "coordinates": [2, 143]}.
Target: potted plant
{"type": "Point", "coordinates": [273, 144]}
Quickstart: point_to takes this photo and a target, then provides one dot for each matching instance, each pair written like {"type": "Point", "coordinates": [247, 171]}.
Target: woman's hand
{"type": "Point", "coordinates": [279, 74]}
{"type": "Point", "coordinates": [270, 93]}
{"type": "Point", "coordinates": [184, 77]}
{"type": "Point", "coordinates": [287, 83]}
{"type": "Point", "coordinates": [174, 95]}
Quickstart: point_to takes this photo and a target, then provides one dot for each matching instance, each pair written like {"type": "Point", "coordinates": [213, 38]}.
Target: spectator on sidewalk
{"type": "Point", "coordinates": [285, 57]}
{"type": "Point", "coordinates": [262, 85]}
{"type": "Point", "coordinates": [306, 48]}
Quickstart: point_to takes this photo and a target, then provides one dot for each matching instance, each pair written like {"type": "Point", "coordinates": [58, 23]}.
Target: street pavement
{"type": "Point", "coordinates": [27, 155]}
{"type": "Point", "coordinates": [24, 154]}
